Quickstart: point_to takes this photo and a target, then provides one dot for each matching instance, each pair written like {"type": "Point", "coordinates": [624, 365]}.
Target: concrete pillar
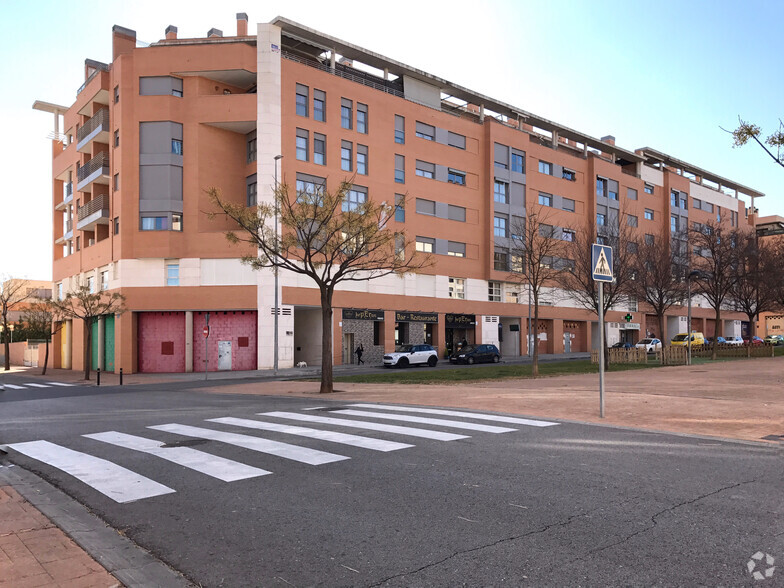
{"type": "Point", "coordinates": [389, 331]}
{"type": "Point", "coordinates": [481, 113]}
{"type": "Point", "coordinates": [101, 343]}
{"type": "Point", "coordinates": [67, 351]}
{"type": "Point", "coordinates": [188, 340]}
{"type": "Point", "coordinates": [558, 340]}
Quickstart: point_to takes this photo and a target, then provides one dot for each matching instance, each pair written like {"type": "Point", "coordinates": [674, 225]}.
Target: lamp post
{"type": "Point", "coordinates": [692, 274]}
{"type": "Point", "coordinates": [530, 293]}
{"type": "Point", "coordinates": [275, 267]}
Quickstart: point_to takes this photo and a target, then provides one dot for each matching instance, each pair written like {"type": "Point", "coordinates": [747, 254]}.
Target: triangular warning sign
{"type": "Point", "coordinates": [602, 266]}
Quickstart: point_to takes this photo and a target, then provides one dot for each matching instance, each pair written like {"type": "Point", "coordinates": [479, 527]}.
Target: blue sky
{"type": "Point", "coordinates": [665, 75]}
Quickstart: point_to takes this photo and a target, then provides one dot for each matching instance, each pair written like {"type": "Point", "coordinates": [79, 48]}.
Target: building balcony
{"type": "Point", "coordinates": [67, 196]}
{"type": "Point", "coordinates": [94, 89]}
{"type": "Point", "coordinates": [94, 171]}
{"type": "Point", "coordinates": [95, 212]}
{"type": "Point", "coordinates": [67, 233]}
{"type": "Point", "coordinates": [95, 129]}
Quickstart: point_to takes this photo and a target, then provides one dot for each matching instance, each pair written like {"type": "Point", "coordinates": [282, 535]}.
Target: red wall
{"type": "Point", "coordinates": [155, 329]}
{"type": "Point", "coordinates": [227, 325]}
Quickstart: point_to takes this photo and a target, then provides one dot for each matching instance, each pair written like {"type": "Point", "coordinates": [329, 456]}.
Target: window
{"type": "Point", "coordinates": [424, 131]}
{"type": "Point", "coordinates": [457, 288]}
{"type": "Point", "coordinates": [631, 193]}
{"type": "Point", "coordinates": [456, 213]}
{"type": "Point", "coordinates": [302, 145]}
{"type": "Point", "coordinates": [648, 214]}
{"type": "Point", "coordinates": [500, 261]}
{"type": "Point", "coordinates": [176, 222]}
{"type": "Point", "coordinates": [104, 280]}
{"type": "Point", "coordinates": [456, 140]}
{"type": "Point", "coordinates": [155, 223]}
{"type": "Point", "coordinates": [400, 129]}
{"type": "Point", "coordinates": [600, 218]}
{"type": "Point", "coordinates": [649, 239]}
{"type": "Point", "coordinates": [545, 199]}
{"type": "Point", "coordinates": [567, 235]}
{"type": "Point", "coordinates": [425, 245]}
{"type": "Point", "coordinates": [494, 291]}
{"type": "Point", "coordinates": [612, 194]}
{"type": "Point", "coordinates": [362, 160]}
{"type": "Point", "coordinates": [172, 274]}
{"type": "Point", "coordinates": [456, 177]}
{"type": "Point", "coordinates": [631, 220]}
{"type": "Point", "coordinates": [499, 227]}
{"type": "Point", "coordinates": [251, 193]}
{"type": "Point", "coordinates": [78, 243]}
{"type": "Point", "coordinates": [346, 107]}
{"type": "Point", "coordinates": [116, 94]}
{"type": "Point", "coordinates": [116, 225]}
{"type": "Point", "coordinates": [354, 198]}
{"type": "Point", "coordinates": [648, 189]}
{"type": "Point", "coordinates": [117, 138]}
{"type": "Point", "coordinates": [568, 174]}
{"type": "Point", "coordinates": [362, 118]}
{"type": "Point", "coordinates": [400, 208]}
{"type": "Point", "coordinates": [91, 284]}
{"type": "Point", "coordinates": [319, 105]}
{"type": "Point", "coordinates": [707, 207]}
{"type": "Point", "coordinates": [545, 168]}
{"type": "Point", "coordinates": [400, 169]}
{"type": "Point", "coordinates": [319, 149]}
{"type": "Point", "coordinates": [308, 187]}
{"type": "Point", "coordinates": [60, 291]}
{"type": "Point", "coordinates": [346, 156]}
{"type": "Point", "coordinates": [567, 204]}
{"type": "Point", "coordinates": [251, 150]}
{"type": "Point", "coordinates": [511, 297]}
{"type": "Point", "coordinates": [518, 264]}
{"type": "Point", "coordinates": [518, 163]}
{"type": "Point", "coordinates": [674, 198]}
{"type": "Point", "coordinates": [425, 169]}
{"type": "Point", "coordinates": [116, 183]}
{"type": "Point", "coordinates": [547, 231]}
{"type": "Point", "coordinates": [427, 207]}
{"type": "Point", "coordinates": [302, 100]}
{"type": "Point", "coordinates": [456, 249]}
{"type": "Point", "coordinates": [601, 187]}
{"type": "Point", "coordinates": [501, 192]}
{"type": "Point", "coordinates": [684, 204]}
{"type": "Point", "coordinates": [696, 203]}
{"type": "Point", "coordinates": [673, 223]}
{"type": "Point", "coordinates": [176, 146]}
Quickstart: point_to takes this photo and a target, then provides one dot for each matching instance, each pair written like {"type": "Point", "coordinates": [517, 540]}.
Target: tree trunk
{"type": "Point", "coordinates": [535, 328]}
{"type": "Point", "coordinates": [7, 360]}
{"type": "Point", "coordinates": [46, 358]}
{"type": "Point", "coordinates": [606, 350]}
{"type": "Point", "coordinates": [716, 333]}
{"type": "Point", "coordinates": [326, 342]}
{"type": "Point", "coordinates": [662, 338]}
{"type": "Point", "coordinates": [88, 349]}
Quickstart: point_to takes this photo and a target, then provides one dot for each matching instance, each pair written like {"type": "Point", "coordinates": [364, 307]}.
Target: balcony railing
{"type": "Point", "coordinates": [96, 163]}
{"type": "Point", "coordinates": [68, 226]}
{"type": "Point", "coordinates": [95, 205]}
{"type": "Point", "coordinates": [98, 70]}
{"type": "Point", "coordinates": [100, 119]}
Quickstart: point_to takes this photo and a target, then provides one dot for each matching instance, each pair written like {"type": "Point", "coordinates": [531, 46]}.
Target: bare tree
{"type": "Point", "coordinates": [579, 284]}
{"type": "Point", "coordinates": [81, 304]}
{"type": "Point", "coordinates": [539, 253]}
{"type": "Point", "coordinates": [749, 131]}
{"type": "Point", "coordinates": [716, 259]}
{"type": "Point", "coordinates": [659, 273]}
{"type": "Point", "coordinates": [754, 291]}
{"type": "Point", "coordinates": [12, 293]}
{"type": "Point", "coordinates": [43, 317]}
{"type": "Point", "coordinates": [331, 237]}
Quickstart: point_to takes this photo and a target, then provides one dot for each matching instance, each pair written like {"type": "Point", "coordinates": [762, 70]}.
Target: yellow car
{"type": "Point", "coordinates": [683, 339]}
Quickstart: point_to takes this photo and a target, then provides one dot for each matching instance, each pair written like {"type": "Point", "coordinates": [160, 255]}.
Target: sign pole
{"type": "Point", "coordinates": [206, 336]}
{"type": "Point", "coordinates": [601, 349]}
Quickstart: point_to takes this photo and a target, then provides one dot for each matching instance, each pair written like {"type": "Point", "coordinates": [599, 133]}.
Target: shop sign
{"type": "Point", "coordinates": [360, 314]}
{"type": "Point", "coordinates": [416, 317]}
{"type": "Point", "coordinates": [629, 326]}
{"type": "Point", "coordinates": [457, 321]}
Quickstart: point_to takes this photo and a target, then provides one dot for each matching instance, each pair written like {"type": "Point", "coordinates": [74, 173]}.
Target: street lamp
{"type": "Point", "coordinates": [275, 267]}
{"type": "Point", "coordinates": [692, 274]}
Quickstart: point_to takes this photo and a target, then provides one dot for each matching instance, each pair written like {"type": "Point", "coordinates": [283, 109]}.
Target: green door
{"type": "Point", "coordinates": [108, 348]}
{"type": "Point", "coordinates": [94, 344]}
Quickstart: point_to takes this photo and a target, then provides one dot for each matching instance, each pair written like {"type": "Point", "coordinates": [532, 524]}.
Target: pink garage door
{"type": "Point", "coordinates": [235, 326]}
{"type": "Point", "coordinates": [161, 341]}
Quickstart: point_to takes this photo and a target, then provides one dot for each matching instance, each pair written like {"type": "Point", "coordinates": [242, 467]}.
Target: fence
{"type": "Point", "coordinates": [678, 354]}
{"type": "Point", "coordinates": [733, 351]}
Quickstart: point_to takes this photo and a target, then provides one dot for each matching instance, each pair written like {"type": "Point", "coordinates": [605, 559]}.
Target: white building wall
{"type": "Point", "coordinates": [652, 176]}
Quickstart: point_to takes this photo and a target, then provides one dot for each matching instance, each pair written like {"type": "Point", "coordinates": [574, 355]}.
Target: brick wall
{"type": "Point", "coordinates": [363, 333]}
{"type": "Point", "coordinates": [230, 325]}
{"type": "Point", "coordinates": [161, 341]}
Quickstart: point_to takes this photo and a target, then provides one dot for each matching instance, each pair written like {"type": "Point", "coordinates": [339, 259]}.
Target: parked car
{"type": "Point", "coordinates": [622, 345]}
{"type": "Point", "coordinates": [682, 339]}
{"type": "Point", "coordinates": [721, 341]}
{"type": "Point", "coordinates": [650, 344]}
{"type": "Point", "coordinates": [412, 355]}
{"type": "Point", "coordinates": [476, 354]}
{"type": "Point", "coordinates": [753, 340]}
{"type": "Point", "coordinates": [774, 339]}
{"type": "Point", "coordinates": [734, 340]}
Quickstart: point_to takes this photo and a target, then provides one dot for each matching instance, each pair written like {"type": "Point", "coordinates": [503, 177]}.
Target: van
{"type": "Point", "coordinates": [683, 339]}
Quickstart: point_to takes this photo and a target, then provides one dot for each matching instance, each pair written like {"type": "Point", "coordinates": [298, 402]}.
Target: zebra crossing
{"type": "Point", "coordinates": [124, 485]}
{"type": "Point", "coordinates": [26, 385]}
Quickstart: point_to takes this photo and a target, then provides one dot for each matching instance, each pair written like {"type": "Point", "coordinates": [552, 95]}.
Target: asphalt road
{"type": "Point", "coordinates": [569, 504]}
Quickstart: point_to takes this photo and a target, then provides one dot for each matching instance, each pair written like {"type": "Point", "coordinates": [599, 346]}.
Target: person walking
{"type": "Point", "coordinates": [360, 350]}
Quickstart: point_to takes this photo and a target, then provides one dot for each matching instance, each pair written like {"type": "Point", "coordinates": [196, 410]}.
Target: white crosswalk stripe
{"type": "Point", "coordinates": [15, 387]}
{"type": "Point", "coordinates": [456, 413]}
{"type": "Point", "coordinates": [212, 465]}
{"type": "Point", "coordinates": [410, 431]}
{"type": "Point", "coordinates": [284, 450]}
{"type": "Point", "coordinates": [116, 482]}
{"type": "Point", "coordinates": [34, 385]}
{"type": "Point", "coordinates": [426, 421]}
{"type": "Point", "coordinates": [59, 384]}
{"type": "Point", "coordinates": [345, 438]}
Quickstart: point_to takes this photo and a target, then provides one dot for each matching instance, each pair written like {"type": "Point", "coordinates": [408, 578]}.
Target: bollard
{"type": "Point", "coordinates": [120, 376]}
{"type": "Point", "coordinates": [98, 377]}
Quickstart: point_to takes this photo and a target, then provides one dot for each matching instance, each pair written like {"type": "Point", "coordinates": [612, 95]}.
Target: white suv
{"type": "Point", "coordinates": [412, 355]}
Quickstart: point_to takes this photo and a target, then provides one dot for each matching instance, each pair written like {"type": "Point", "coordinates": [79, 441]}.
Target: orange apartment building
{"type": "Point", "coordinates": [150, 132]}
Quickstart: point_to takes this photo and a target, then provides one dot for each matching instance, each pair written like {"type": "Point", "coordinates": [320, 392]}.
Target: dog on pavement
{"type": "Point", "coordinates": [302, 364]}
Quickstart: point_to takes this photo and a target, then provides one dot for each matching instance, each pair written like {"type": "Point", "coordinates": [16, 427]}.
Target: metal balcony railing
{"type": "Point", "coordinates": [96, 204]}
{"type": "Point", "coordinates": [96, 163]}
{"type": "Point", "coordinates": [68, 226]}
{"type": "Point", "coordinates": [67, 190]}
{"type": "Point", "coordinates": [101, 118]}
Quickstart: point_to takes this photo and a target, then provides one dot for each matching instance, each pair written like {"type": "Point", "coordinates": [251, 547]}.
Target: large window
{"type": "Point", "coordinates": [346, 156]}
{"type": "Point", "coordinates": [456, 177]}
{"type": "Point", "coordinates": [499, 227]}
{"type": "Point", "coordinates": [567, 204]}
{"type": "Point", "coordinates": [362, 160]}
{"type": "Point", "coordinates": [425, 244]}
{"type": "Point", "coordinates": [319, 105]}
{"type": "Point", "coordinates": [400, 208]}
{"type": "Point", "coordinates": [494, 291]}
{"type": "Point", "coordinates": [545, 199]}
{"type": "Point", "coordinates": [673, 223]}
{"type": "Point", "coordinates": [518, 162]}
{"type": "Point", "coordinates": [172, 274]}
{"type": "Point", "coordinates": [545, 168]}
{"type": "Point", "coordinates": [105, 280]}
{"type": "Point", "coordinates": [601, 187]}
{"type": "Point", "coordinates": [400, 169]}
{"type": "Point", "coordinates": [457, 288]}
{"type": "Point", "coordinates": [155, 223]}
{"type": "Point", "coordinates": [456, 249]}
{"type": "Point", "coordinates": [319, 149]}
{"type": "Point", "coordinates": [424, 131]}
{"type": "Point", "coordinates": [354, 198]}
{"type": "Point", "coordinates": [302, 144]}
{"type": "Point", "coordinates": [302, 100]}
{"type": "Point", "coordinates": [425, 169]}
{"type": "Point", "coordinates": [362, 118]}
{"type": "Point", "coordinates": [346, 116]}
{"type": "Point", "coordinates": [648, 214]}
{"type": "Point", "coordinates": [631, 220]}
{"type": "Point", "coordinates": [400, 129]}
{"type": "Point", "coordinates": [600, 219]}
{"type": "Point", "coordinates": [501, 192]}
{"type": "Point", "coordinates": [501, 261]}
{"type": "Point", "coordinates": [568, 174]}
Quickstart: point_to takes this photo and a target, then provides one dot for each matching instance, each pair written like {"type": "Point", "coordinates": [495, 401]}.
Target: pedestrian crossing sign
{"type": "Point", "coordinates": [602, 262]}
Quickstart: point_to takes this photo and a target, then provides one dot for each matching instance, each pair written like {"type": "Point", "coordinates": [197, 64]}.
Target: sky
{"type": "Point", "coordinates": [664, 74]}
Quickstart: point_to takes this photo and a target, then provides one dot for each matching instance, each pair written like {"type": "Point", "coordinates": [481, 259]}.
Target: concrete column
{"type": "Point", "coordinates": [188, 340]}
{"type": "Point", "coordinates": [440, 335]}
{"type": "Point", "coordinates": [101, 343]}
{"type": "Point", "coordinates": [67, 352]}
{"type": "Point", "coordinates": [558, 340]}
{"type": "Point", "coordinates": [389, 331]}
